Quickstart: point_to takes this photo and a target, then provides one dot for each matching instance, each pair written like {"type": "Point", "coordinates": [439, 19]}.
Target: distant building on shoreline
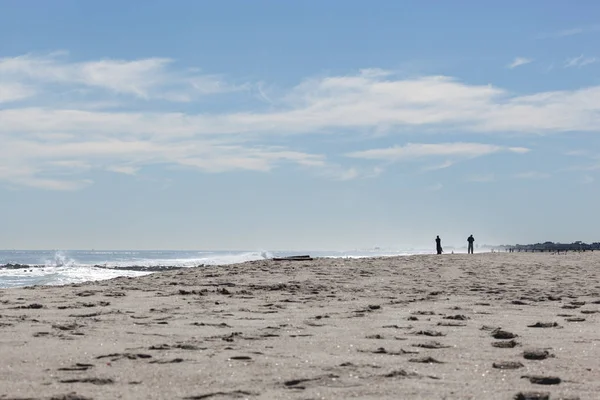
{"type": "Point", "coordinates": [550, 247]}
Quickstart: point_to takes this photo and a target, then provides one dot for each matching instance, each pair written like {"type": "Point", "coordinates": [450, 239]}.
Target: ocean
{"type": "Point", "coordinates": [19, 268]}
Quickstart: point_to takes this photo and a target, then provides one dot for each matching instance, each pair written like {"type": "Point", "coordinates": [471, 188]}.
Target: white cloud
{"type": "Point", "coordinates": [419, 150]}
{"type": "Point", "coordinates": [123, 169]}
{"type": "Point", "coordinates": [518, 61]}
{"type": "Point", "coordinates": [577, 153]}
{"type": "Point", "coordinates": [14, 91]}
{"type": "Point", "coordinates": [28, 176]}
{"type": "Point", "coordinates": [570, 32]}
{"type": "Point", "coordinates": [344, 103]}
{"type": "Point", "coordinates": [95, 132]}
{"type": "Point", "coordinates": [338, 172]}
{"type": "Point", "coordinates": [435, 188]}
{"type": "Point", "coordinates": [532, 175]}
{"type": "Point", "coordinates": [107, 154]}
{"type": "Point", "coordinates": [580, 61]}
{"type": "Point", "coordinates": [151, 78]}
{"type": "Point", "coordinates": [588, 167]}
{"type": "Point", "coordinates": [444, 165]}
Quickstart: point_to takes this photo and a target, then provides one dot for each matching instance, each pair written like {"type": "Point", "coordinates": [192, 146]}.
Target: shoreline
{"type": "Point", "coordinates": [421, 326]}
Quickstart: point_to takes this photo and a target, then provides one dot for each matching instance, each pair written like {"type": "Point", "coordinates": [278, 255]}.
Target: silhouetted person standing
{"type": "Point", "coordinates": [470, 239]}
{"type": "Point", "coordinates": [438, 245]}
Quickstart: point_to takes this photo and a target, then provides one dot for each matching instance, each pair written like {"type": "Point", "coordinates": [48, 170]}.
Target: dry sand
{"type": "Point", "coordinates": [418, 327]}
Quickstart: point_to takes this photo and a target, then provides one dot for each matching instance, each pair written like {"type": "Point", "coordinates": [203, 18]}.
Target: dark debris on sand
{"type": "Point", "coordinates": [507, 365]}
{"type": "Point", "coordinates": [509, 344]}
{"type": "Point", "coordinates": [70, 396]}
{"type": "Point", "coordinates": [501, 334]}
{"type": "Point", "coordinates": [543, 380]}
{"type": "Point", "coordinates": [536, 354]}
{"type": "Point", "coordinates": [532, 396]}
{"type": "Point", "coordinates": [544, 325]}
{"type": "Point", "coordinates": [426, 360]}
{"type": "Point", "coordinates": [233, 394]}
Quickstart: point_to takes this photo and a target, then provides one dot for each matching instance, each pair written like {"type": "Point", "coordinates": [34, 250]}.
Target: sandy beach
{"type": "Point", "coordinates": [485, 326]}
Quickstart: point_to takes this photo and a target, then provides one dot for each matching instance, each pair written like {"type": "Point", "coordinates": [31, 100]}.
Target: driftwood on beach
{"type": "Point", "coordinates": [293, 258]}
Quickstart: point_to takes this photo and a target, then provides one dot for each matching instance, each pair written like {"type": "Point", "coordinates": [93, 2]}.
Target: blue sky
{"type": "Point", "coordinates": [297, 125]}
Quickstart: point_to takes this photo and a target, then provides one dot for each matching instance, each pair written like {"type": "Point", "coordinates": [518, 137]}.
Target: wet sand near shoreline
{"type": "Point", "coordinates": [483, 326]}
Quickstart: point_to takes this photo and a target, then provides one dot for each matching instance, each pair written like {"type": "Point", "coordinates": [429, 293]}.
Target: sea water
{"type": "Point", "coordinates": [20, 268]}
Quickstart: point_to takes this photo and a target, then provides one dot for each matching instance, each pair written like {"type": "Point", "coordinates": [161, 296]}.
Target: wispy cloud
{"type": "Point", "coordinates": [532, 175]}
{"type": "Point", "coordinates": [591, 160]}
{"type": "Point", "coordinates": [580, 61]}
{"type": "Point", "coordinates": [518, 61]}
{"type": "Point", "coordinates": [435, 187]}
{"type": "Point", "coordinates": [570, 32]}
{"type": "Point", "coordinates": [577, 153]}
{"type": "Point", "coordinates": [151, 78]}
{"type": "Point", "coordinates": [10, 92]}
{"type": "Point", "coordinates": [131, 116]}
{"type": "Point", "coordinates": [444, 165]}
{"type": "Point", "coordinates": [339, 173]}
{"type": "Point", "coordinates": [23, 161]}
{"type": "Point", "coordinates": [588, 167]}
{"type": "Point", "coordinates": [354, 102]}
{"type": "Point", "coordinates": [419, 150]}
{"type": "Point", "coordinates": [587, 179]}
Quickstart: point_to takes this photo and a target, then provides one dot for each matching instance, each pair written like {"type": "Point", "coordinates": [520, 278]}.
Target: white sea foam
{"type": "Point", "coordinates": [209, 258]}
{"type": "Point", "coordinates": [60, 259]}
{"type": "Point", "coordinates": [64, 267]}
{"type": "Point", "coordinates": [61, 267]}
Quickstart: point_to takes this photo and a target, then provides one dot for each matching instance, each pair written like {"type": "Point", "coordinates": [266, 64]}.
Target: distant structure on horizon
{"type": "Point", "coordinates": [551, 247]}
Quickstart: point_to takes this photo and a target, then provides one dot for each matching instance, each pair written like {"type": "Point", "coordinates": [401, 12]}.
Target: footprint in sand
{"type": "Point", "coordinates": [94, 381]}
{"type": "Point", "coordinates": [431, 345]}
{"type": "Point", "coordinates": [382, 350]}
{"type": "Point", "coordinates": [429, 333]}
{"type": "Point", "coordinates": [241, 358]}
{"type": "Point", "coordinates": [544, 325]}
{"type": "Point", "coordinates": [423, 313]}
{"type": "Point", "coordinates": [67, 327]}
{"type": "Point", "coordinates": [453, 324]}
{"type": "Point", "coordinates": [33, 306]}
{"type": "Point", "coordinates": [459, 317]}
{"type": "Point", "coordinates": [129, 356]}
{"type": "Point", "coordinates": [426, 360]}
{"type": "Point", "coordinates": [536, 354]}
{"type": "Point", "coordinates": [542, 380]}
{"type": "Point", "coordinates": [401, 373]}
{"type": "Point", "coordinates": [376, 336]}
{"type": "Point", "coordinates": [172, 361]}
{"type": "Point", "coordinates": [77, 367]}
{"type": "Point", "coordinates": [506, 344]}
{"type": "Point", "coordinates": [507, 365]}
{"type": "Point", "coordinates": [230, 395]}
{"type": "Point", "coordinates": [501, 334]}
{"type": "Point", "coordinates": [300, 384]}
{"type": "Point", "coordinates": [532, 396]}
{"type": "Point", "coordinates": [70, 396]}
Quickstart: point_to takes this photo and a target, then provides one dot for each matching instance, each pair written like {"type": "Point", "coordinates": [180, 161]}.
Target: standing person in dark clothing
{"type": "Point", "coordinates": [470, 239]}
{"type": "Point", "coordinates": [438, 245]}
